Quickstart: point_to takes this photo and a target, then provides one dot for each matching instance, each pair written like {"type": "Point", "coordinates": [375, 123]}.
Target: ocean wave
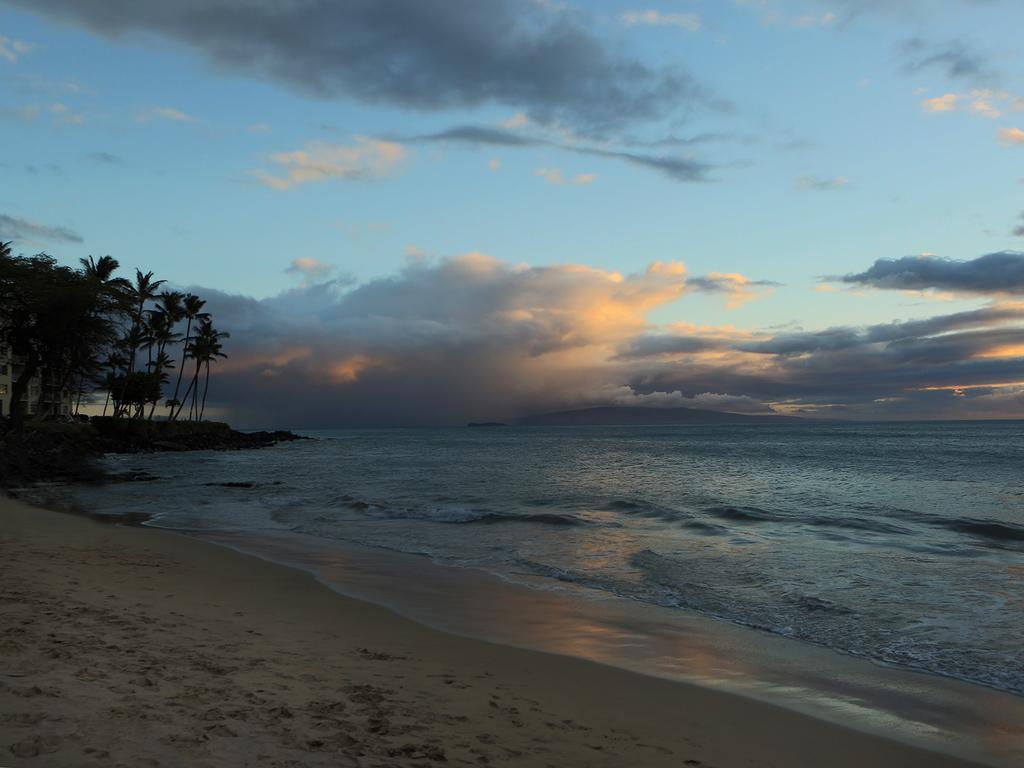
{"type": "Point", "coordinates": [460, 515]}
{"type": "Point", "coordinates": [706, 529]}
{"type": "Point", "coordinates": [645, 508]}
{"type": "Point", "coordinates": [851, 522]}
{"type": "Point", "coordinates": [998, 532]}
{"type": "Point", "coordinates": [987, 529]}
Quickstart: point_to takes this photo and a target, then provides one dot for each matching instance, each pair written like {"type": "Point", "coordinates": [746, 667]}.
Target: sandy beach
{"type": "Point", "coordinates": [133, 647]}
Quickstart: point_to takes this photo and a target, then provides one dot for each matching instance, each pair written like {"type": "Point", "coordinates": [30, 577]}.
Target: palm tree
{"type": "Point", "coordinates": [204, 348]}
{"type": "Point", "coordinates": [192, 307]}
{"type": "Point", "coordinates": [111, 299]}
{"type": "Point", "coordinates": [114, 361]}
{"type": "Point", "coordinates": [159, 367]}
{"type": "Point", "coordinates": [161, 333]}
{"type": "Point", "coordinates": [210, 350]}
{"type": "Point", "coordinates": [144, 290]}
{"type": "Point", "coordinates": [102, 270]}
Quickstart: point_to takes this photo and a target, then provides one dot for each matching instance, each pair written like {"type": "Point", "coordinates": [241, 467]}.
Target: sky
{"type": "Point", "coordinates": [434, 211]}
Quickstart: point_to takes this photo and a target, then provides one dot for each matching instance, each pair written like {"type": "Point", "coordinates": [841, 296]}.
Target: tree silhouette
{"type": "Point", "coordinates": [192, 307]}
{"type": "Point", "coordinates": [84, 328]}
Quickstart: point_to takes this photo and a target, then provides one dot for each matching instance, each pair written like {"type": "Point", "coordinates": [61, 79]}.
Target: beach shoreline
{"type": "Point", "coordinates": [140, 647]}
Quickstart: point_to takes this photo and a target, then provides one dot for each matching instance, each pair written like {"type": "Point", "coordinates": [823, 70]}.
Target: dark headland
{"type": "Point", "coordinates": [615, 416]}
{"type": "Point", "coordinates": [50, 451]}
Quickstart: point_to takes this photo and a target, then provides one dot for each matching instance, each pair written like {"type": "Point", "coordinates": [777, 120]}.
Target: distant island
{"type": "Point", "coordinates": [613, 416]}
{"type": "Point", "coordinates": [487, 424]}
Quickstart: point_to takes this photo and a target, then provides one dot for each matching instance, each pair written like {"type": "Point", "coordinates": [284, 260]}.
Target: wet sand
{"type": "Point", "coordinates": [132, 647]}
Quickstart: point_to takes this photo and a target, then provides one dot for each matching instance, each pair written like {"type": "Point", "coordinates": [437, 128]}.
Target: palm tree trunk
{"type": "Point", "coordinates": [152, 409]}
{"type": "Point", "coordinates": [78, 399]}
{"type": "Point", "coordinates": [181, 368]}
{"type": "Point", "coordinates": [106, 402]}
{"type": "Point", "coordinates": [184, 399]}
{"type": "Point", "coordinates": [194, 410]}
{"type": "Point", "coordinates": [206, 390]}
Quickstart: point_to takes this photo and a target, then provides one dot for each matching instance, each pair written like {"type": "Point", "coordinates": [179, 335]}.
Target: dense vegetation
{"type": "Point", "coordinates": [89, 331]}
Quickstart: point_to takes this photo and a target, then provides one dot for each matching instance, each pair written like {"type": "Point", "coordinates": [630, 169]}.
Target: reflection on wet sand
{"type": "Point", "coordinates": [940, 713]}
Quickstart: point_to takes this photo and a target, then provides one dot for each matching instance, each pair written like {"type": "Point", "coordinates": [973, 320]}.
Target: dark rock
{"type": "Point", "coordinates": [58, 452]}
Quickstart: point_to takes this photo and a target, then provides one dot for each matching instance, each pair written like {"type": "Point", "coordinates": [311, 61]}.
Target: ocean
{"type": "Point", "coordinates": [900, 543]}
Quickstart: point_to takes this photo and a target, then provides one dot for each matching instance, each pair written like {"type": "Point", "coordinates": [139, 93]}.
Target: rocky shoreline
{"type": "Point", "coordinates": [70, 452]}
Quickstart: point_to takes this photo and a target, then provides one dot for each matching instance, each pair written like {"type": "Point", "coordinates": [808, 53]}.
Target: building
{"type": "Point", "coordinates": [44, 395]}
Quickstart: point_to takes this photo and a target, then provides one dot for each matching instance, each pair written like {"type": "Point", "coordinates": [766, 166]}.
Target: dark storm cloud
{"type": "Point", "coordinates": [429, 54]}
{"type": "Point", "coordinates": [474, 338]}
{"type": "Point", "coordinates": [859, 366]}
{"type": "Point", "coordinates": [832, 339]}
{"type": "Point", "coordinates": [19, 229]}
{"type": "Point", "coordinates": [655, 345]}
{"type": "Point", "coordinates": [993, 273]}
{"type": "Point", "coordinates": [438, 343]}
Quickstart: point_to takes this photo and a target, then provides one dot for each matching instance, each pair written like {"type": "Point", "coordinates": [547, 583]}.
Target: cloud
{"type": "Point", "coordinates": [810, 20]}
{"type": "Point", "coordinates": [441, 341]}
{"type": "Point", "coordinates": [12, 50]}
{"type": "Point", "coordinates": [905, 369]}
{"type": "Point", "coordinates": [945, 103]}
{"type": "Point", "coordinates": [1019, 229]}
{"type": "Point", "coordinates": [63, 114]}
{"type": "Point", "coordinates": [984, 102]}
{"type": "Point", "coordinates": [17, 228]}
{"type": "Point", "coordinates": [738, 289]}
{"type": "Point", "coordinates": [652, 18]}
{"type": "Point", "coordinates": [428, 55]}
{"type": "Point", "coordinates": [258, 128]}
{"type": "Point", "coordinates": [319, 161]}
{"type": "Point", "coordinates": [624, 395]}
{"type": "Point", "coordinates": [846, 12]}
{"type": "Point", "coordinates": [677, 168]}
{"type": "Point", "coordinates": [60, 113]}
{"type": "Point", "coordinates": [822, 184]}
{"type": "Point", "coordinates": [471, 337]}
{"type": "Point", "coordinates": [310, 268]}
{"type": "Point", "coordinates": [955, 59]}
{"type": "Point", "coordinates": [1011, 136]}
{"type": "Point", "coordinates": [164, 113]}
{"type": "Point", "coordinates": [107, 158]}
{"type": "Point", "coordinates": [27, 112]}
{"type": "Point", "coordinates": [477, 134]}
{"type": "Point", "coordinates": [993, 273]}
{"type": "Point", "coordinates": [555, 176]}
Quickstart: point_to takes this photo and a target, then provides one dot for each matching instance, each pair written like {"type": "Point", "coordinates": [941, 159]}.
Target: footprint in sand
{"type": "Point", "coordinates": [37, 745]}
